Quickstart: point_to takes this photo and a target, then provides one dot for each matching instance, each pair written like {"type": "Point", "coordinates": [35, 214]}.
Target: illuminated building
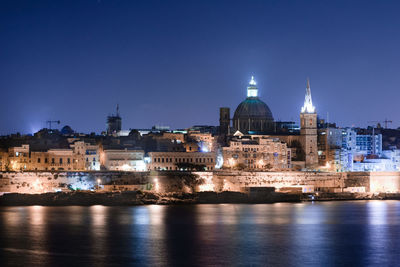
{"type": "Point", "coordinates": [257, 153]}
{"type": "Point", "coordinates": [329, 140]}
{"type": "Point", "coordinates": [3, 161]}
{"type": "Point", "coordinates": [308, 130]}
{"type": "Point", "coordinates": [90, 154]}
{"type": "Point", "coordinates": [181, 160]}
{"type": "Point", "coordinates": [252, 115]}
{"type": "Point", "coordinates": [123, 160]}
{"type": "Point", "coordinates": [368, 144]}
{"type": "Point", "coordinates": [65, 159]}
{"type": "Point", "coordinates": [18, 158]}
{"type": "Point", "coordinates": [205, 141]}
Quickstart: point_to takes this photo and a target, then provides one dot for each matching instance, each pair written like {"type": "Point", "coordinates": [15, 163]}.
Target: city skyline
{"type": "Point", "coordinates": [62, 62]}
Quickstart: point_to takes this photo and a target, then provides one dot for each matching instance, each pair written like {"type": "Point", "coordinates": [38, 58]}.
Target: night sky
{"type": "Point", "coordinates": [176, 62]}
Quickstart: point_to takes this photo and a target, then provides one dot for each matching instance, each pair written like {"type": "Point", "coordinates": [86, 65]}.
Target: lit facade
{"type": "Point", "coordinates": [257, 153]}
{"type": "Point", "coordinates": [18, 158]}
{"type": "Point", "coordinates": [205, 141]}
{"type": "Point", "coordinates": [123, 160]}
{"type": "Point", "coordinates": [90, 154]}
{"type": "Point", "coordinates": [181, 160]}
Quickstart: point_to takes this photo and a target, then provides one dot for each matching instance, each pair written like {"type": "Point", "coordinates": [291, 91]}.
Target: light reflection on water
{"type": "Point", "coordinates": [362, 233]}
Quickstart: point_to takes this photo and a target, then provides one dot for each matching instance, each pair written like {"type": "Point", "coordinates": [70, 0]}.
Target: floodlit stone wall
{"type": "Point", "coordinates": [237, 180]}
{"type": "Point", "coordinates": [40, 182]}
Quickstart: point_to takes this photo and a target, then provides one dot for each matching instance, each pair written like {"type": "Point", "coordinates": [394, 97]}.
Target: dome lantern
{"type": "Point", "coordinates": [252, 90]}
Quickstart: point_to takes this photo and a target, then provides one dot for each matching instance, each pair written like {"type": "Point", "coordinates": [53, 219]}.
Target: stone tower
{"type": "Point", "coordinates": [224, 121]}
{"type": "Point", "coordinates": [308, 130]}
{"type": "Point", "coordinates": [114, 123]}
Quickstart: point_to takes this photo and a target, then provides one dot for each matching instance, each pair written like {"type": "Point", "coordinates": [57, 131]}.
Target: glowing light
{"type": "Point", "coordinates": [206, 187]}
{"type": "Point", "coordinates": [231, 162]}
{"type": "Point", "coordinates": [308, 105]}
{"type": "Point", "coordinates": [204, 148]}
{"type": "Point", "coordinates": [13, 165]}
{"type": "Point", "coordinates": [140, 165]}
{"type": "Point", "coordinates": [252, 81]}
{"type": "Point", "coordinates": [126, 167]}
{"type": "Point", "coordinates": [37, 186]}
{"type": "Point", "coordinates": [328, 165]}
{"type": "Point", "coordinates": [252, 90]}
{"type": "Point", "coordinates": [156, 185]}
{"type": "Point", "coordinates": [147, 160]}
{"type": "Point", "coordinates": [220, 160]}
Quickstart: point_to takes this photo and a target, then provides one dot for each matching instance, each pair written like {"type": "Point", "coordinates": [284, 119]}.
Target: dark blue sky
{"type": "Point", "coordinates": [176, 62]}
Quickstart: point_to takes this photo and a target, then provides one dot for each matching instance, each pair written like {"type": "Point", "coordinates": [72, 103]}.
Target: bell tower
{"type": "Point", "coordinates": [308, 129]}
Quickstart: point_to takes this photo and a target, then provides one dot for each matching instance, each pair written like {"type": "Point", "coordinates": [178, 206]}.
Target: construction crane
{"type": "Point", "coordinates": [386, 122]}
{"type": "Point", "coordinates": [50, 122]}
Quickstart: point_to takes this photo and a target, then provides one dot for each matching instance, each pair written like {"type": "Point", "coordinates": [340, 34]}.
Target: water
{"type": "Point", "coordinates": [359, 233]}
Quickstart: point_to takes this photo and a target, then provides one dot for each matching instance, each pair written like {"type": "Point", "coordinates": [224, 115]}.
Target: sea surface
{"type": "Point", "coordinates": [347, 233]}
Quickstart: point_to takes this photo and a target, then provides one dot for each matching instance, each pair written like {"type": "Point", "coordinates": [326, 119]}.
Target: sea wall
{"type": "Point", "coordinates": [217, 181]}
{"type": "Point", "coordinates": [40, 182]}
{"type": "Point", "coordinates": [237, 180]}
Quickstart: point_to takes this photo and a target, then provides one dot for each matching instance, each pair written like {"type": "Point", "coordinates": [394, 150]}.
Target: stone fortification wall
{"type": "Point", "coordinates": [40, 182]}
{"type": "Point", "coordinates": [237, 180]}
{"type": "Point", "coordinates": [385, 182]}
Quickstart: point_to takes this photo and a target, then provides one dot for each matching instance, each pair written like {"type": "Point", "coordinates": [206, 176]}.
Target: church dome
{"type": "Point", "coordinates": [253, 107]}
{"type": "Point", "coordinates": [67, 130]}
{"type": "Point", "coordinates": [253, 115]}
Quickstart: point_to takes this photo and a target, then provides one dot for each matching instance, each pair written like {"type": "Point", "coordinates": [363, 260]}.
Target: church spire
{"type": "Point", "coordinates": [252, 90]}
{"type": "Point", "coordinates": [308, 106]}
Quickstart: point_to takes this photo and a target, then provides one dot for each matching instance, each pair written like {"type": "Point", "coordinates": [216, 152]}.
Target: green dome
{"type": "Point", "coordinates": [253, 108]}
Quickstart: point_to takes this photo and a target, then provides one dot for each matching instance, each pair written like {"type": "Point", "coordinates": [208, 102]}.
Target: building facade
{"type": "Point", "coordinates": [258, 153]}
{"type": "Point", "coordinates": [123, 160]}
{"type": "Point", "coordinates": [181, 161]}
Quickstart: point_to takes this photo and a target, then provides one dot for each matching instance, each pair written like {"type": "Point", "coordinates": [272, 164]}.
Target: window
{"type": "Point", "coordinates": [60, 160]}
{"type": "Point", "coordinates": [46, 160]}
{"type": "Point", "coordinates": [69, 160]}
{"type": "Point", "coordinates": [38, 160]}
{"type": "Point", "coordinates": [52, 160]}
